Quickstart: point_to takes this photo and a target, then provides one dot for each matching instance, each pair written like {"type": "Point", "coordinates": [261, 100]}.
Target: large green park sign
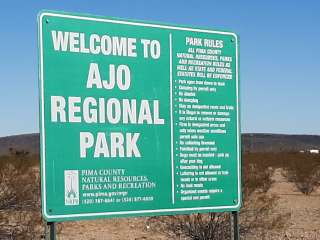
{"type": "Point", "coordinates": [137, 118]}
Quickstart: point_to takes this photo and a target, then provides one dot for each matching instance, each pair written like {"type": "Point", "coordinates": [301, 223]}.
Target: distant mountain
{"type": "Point", "coordinates": [27, 142]}
{"type": "Point", "coordinates": [251, 142]}
{"type": "Point", "coordinates": [260, 142]}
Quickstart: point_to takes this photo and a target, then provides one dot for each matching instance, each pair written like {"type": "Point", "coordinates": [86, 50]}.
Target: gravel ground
{"type": "Point", "coordinates": [303, 222]}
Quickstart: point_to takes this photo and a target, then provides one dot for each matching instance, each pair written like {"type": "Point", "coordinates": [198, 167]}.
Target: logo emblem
{"type": "Point", "coordinates": [71, 187]}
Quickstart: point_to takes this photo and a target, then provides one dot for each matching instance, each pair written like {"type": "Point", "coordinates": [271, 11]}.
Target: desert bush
{"type": "Point", "coordinates": [20, 216]}
{"type": "Point", "coordinates": [304, 171]}
{"type": "Point", "coordinates": [257, 173]}
{"type": "Point", "coordinates": [256, 215]}
{"type": "Point", "coordinates": [206, 226]}
{"type": "Point", "coordinates": [210, 226]}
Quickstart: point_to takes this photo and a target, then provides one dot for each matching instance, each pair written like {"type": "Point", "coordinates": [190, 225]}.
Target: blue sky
{"type": "Point", "coordinates": [280, 56]}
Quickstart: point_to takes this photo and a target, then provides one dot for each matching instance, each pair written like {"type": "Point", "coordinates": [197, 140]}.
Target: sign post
{"type": "Point", "coordinates": [137, 118]}
{"type": "Point", "coordinates": [52, 231]}
{"type": "Point", "coordinates": [234, 225]}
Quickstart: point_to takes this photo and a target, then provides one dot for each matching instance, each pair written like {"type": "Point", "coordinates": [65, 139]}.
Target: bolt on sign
{"type": "Point", "coordinates": [137, 118]}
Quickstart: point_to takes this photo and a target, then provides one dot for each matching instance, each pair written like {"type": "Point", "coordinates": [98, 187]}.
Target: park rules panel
{"type": "Point", "coordinates": [137, 118]}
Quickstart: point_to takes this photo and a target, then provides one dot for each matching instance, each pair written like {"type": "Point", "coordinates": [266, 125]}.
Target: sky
{"type": "Point", "coordinates": [279, 56]}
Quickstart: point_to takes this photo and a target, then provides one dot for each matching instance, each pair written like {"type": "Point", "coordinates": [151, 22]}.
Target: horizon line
{"type": "Point", "coordinates": [242, 133]}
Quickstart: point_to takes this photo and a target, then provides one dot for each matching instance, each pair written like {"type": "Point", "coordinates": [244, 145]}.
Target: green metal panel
{"type": "Point", "coordinates": [137, 118]}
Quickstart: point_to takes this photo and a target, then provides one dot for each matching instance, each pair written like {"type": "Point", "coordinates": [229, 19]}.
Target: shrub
{"type": "Point", "coordinates": [210, 226]}
{"type": "Point", "coordinates": [256, 215]}
{"type": "Point", "coordinates": [304, 171]}
{"type": "Point", "coordinates": [206, 226]}
{"type": "Point", "coordinates": [20, 217]}
{"type": "Point", "coordinates": [257, 173]}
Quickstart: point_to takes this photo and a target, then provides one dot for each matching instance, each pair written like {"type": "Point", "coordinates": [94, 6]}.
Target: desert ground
{"type": "Point", "coordinates": [281, 200]}
{"type": "Point", "coordinates": [302, 221]}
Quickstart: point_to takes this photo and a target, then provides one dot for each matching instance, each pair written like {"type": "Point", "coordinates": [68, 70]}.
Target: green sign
{"type": "Point", "coordinates": [137, 118]}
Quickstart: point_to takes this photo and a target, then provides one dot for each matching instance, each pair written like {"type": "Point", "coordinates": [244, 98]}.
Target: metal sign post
{"type": "Point", "coordinates": [234, 226]}
{"type": "Point", "coordinates": [52, 231]}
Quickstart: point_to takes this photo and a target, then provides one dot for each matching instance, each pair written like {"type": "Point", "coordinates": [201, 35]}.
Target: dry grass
{"type": "Point", "coordinates": [20, 216]}
{"type": "Point", "coordinates": [20, 205]}
{"type": "Point", "coordinates": [258, 170]}
{"type": "Point", "coordinates": [197, 226]}
{"type": "Point", "coordinates": [257, 213]}
{"type": "Point", "coordinates": [302, 169]}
